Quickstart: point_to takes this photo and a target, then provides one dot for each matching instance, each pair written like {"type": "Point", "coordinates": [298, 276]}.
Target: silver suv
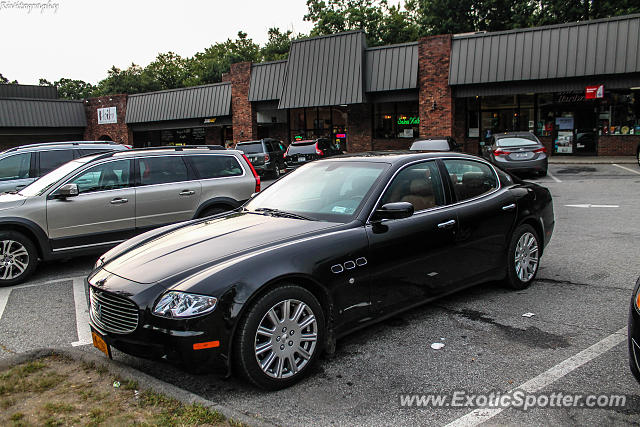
{"type": "Point", "coordinates": [20, 166]}
{"type": "Point", "coordinates": [93, 203]}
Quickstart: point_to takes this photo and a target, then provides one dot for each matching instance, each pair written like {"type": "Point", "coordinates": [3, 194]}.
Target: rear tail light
{"type": "Point", "coordinates": [266, 158]}
{"type": "Point", "coordinates": [319, 151]}
{"type": "Point", "coordinates": [129, 147]}
{"type": "Point", "coordinates": [541, 150]}
{"type": "Point", "coordinates": [499, 152]}
{"type": "Point", "coordinates": [255, 174]}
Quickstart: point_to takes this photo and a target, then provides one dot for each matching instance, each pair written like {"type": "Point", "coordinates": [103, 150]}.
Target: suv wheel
{"type": "Point", "coordinates": [213, 211]}
{"type": "Point", "coordinates": [523, 257]}
{"type": "Point", "coordinates": [18, 257]}
{"type": "Point", "coordinates": [276, 172]}
{"type": "Point", "coordinates": [280, 338]}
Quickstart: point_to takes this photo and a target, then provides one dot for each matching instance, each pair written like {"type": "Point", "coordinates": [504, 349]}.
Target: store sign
{"type": "Point", "coordinates": [403, 120]}
{"type": "Point", "coordinates": [213, 120]}
{"type": "Point", "coordinates": [341, 135]}
{"type": "Point", "coordinates": [107, 115]}
{"type": "Point", "coordinates": [594, 92]}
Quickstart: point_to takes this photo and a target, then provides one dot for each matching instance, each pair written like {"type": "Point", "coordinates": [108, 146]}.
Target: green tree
{"type": "Point", "coordinates": [277, 47]}
{"type": "Point", "coordinates": [167, 71]}
{"type": "Point", "coordinates": [130, 80]}
{"type": "Point", "coordinates": [5, 81]}
{"type": "Point", "coordinates": [70, 88]}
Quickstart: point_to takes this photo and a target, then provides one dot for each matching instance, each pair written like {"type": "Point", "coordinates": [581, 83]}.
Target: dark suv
{"type": "Point", "coordinates": [20, 166]}
{"type": "Point", "coordinates": [266, 155]}
{"type": "Point", "coordinates": [301, 152]}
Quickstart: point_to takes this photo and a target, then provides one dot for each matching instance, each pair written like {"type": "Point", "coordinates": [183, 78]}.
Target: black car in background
{"type": "Point", "coordinates": [436, 143]}
{"type": "Point", "coordinates": [332, 247]}
{"type": "Point", "coordinates": [301, 152]}
{"type": "Point", "coordinates": [517, 152]}
{"type": "Point", "coordinates": [266, 155]}
{"type": "Point", "coordinates": [634, 332]}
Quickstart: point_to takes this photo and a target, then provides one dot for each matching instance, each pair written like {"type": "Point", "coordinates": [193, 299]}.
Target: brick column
{"type": "Point", "coordinates": [434, 93]}
{"type": "Point", "coordinates": [118, 132]}
{"type": "Point", "coordinates": [245, 126]}
{"type": "Point", "coordinates": [359, 132]}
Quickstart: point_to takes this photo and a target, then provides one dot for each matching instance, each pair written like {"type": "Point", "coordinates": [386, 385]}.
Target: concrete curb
{"type": "Point", "coordinates": [593, 161]}
{"type": "Point", "coordinates": [145, 381]}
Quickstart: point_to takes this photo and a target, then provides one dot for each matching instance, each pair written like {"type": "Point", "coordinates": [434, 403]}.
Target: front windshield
{"type": "Point", "coordinates": [515, 142]}
{"type": "Point", "coordinates": [327, 191]}
{"type": "Point", "coordinates": [41, 185]}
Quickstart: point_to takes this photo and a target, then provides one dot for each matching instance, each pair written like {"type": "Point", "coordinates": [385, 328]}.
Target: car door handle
{"type": "Point", "coordinates": [510, 207]}
{"type": "Point", "coordinates": [187, 193]}
{"type": "Point", "coordinates": [447, 224]}
{"type": "Point", "coordinates": [118, 201]}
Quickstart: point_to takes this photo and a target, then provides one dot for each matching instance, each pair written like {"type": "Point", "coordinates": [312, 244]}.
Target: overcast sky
{"type": "Point", "coordinates": [82, 39]}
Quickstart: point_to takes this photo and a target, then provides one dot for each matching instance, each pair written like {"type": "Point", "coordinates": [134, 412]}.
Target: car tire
{"type": "Point", "coordinates": [523, 257]}
{"type": "Point", "coordinates": [18, 258]}
{"type": "Point", "coordinates": [275, 352]}
{"type": "Point", "coordinates": [276, 172]}
{"type": "Point", "coordinates": [213, 211]}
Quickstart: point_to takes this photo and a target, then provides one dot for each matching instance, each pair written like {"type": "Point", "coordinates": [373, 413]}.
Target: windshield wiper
{"type": "Point", "coordinates": [284, 214]}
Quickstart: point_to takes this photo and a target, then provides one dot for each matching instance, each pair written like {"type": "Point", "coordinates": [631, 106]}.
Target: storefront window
{"type": "Point", "coordinates": [544, 127]}
{"type": "Point", "coordinates": [396, 120]}
{"type": "Point", "coordinates": [620, 113]}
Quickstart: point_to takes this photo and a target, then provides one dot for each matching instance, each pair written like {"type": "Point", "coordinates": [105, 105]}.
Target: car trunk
{"type": "Point", "coordinates": [254, 152]}
{"type": "Point", "coordinates": [301, 153]}
{"type": "Point", "coordinates": [524, 153]}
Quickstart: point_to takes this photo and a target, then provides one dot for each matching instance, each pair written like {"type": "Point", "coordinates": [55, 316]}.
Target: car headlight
{"type": "Point", "coordinates": [181, 304]}
{"type": "Point", "coordinates": [99, 263]}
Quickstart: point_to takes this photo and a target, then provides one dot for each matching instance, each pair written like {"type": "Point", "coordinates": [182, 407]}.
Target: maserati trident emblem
{"type": "Point", "coordinates": [100, 282]}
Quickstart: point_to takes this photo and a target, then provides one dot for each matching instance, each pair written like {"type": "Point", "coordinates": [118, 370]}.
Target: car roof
{"type": "Point", "coordinates": [431, 138]}
{"type": "Point", "coordinates": [169, 151]}
{"type": "Point", "coordinates": [528, 135]}
{"type": "Point", "coordinates": [397, 157]}
{"type": "Point", "coordinates": [48, 145]}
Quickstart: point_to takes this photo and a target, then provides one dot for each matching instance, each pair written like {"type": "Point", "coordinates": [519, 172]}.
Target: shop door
{"type": "Point", "coordinates": [585, 134]}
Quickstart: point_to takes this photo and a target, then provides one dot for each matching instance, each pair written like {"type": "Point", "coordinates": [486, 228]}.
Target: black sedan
{"type": "Point", "coordinates": [634, 332]}
{"type": "Point", "coordinates": [336, 245]}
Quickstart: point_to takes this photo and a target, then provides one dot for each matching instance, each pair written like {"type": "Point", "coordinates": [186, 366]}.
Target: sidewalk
{"type": "Point", "coordinates": [593, 160]}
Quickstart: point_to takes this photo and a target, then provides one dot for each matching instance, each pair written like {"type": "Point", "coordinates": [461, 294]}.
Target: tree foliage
{"type": "Point", "coordinates": [383, 21]}
{"type": "Point", "coordinates": [5, 81]}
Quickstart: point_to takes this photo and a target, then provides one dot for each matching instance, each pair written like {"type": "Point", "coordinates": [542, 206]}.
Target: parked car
{"type": "Point", "coordinates": [638, 154]}
{"type": "Point", "coordinates": [436, 143]}
{"type": "Point", "coordinates": [93, 203]}
{"type": "Point", "coordinates": [634, 332]}
{"type": "Point", "coordinates": [20, 166]}
{"type": "Point", "coordinates": [266, 155]}
{"type": "Point", "coordinates": [334, 246]}
{"type": "Point", "coordinates": [517, 152]}
{"type": "Point", "coordinates": [305, 151]}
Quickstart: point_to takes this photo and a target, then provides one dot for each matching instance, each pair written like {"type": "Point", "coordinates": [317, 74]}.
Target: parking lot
{"type": "Point", "coordinates": [580, 301]}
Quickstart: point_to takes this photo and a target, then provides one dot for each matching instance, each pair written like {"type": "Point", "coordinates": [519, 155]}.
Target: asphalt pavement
{"type": "Point", "coordinates": [574, 343]}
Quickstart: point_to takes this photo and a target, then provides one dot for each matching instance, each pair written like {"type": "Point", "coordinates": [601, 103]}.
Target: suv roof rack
{"type": "Point", "coordinates": [168, 148]}
{"type": "Point", "coordinates": [47, 144]}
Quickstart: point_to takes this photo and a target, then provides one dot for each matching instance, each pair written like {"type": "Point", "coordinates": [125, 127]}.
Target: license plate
{"type": "Point", "coordinates": [522, 155]}
{"type": "Point", "coordinates": [100, 344]}
{"type": "Point", "coordinates": [302, 159]}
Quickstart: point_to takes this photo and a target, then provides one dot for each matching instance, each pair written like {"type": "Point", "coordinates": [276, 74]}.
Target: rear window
{"type": "Point", "coordinates": [216, 166]}
{"type": "Point", "coordinates": [91, 151]}
{"type": "Point", "coordinates": [250, 148]}
{"type": "Point", "coordinates": [305, 148]}
{"type": "Point", "coordinates": [515, 142]}
{"type": "Point", "coordinates": [50, 160]}
{"type": "Point", "coordinates": [432, 144]}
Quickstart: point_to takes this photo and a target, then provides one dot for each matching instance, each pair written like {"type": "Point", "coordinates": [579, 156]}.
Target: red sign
{"type": "Point", "coordinates": [594, 92]}
{"type": "Point", "coordinates": [341, 135]}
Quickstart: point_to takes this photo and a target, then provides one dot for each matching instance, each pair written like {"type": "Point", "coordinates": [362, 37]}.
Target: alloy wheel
{"type": "Point", "coordinates": [286, 338]}
{"type": "Point", "coordinates": [14, 259]}
{"type": "Point", "coordinates": [526, 257]}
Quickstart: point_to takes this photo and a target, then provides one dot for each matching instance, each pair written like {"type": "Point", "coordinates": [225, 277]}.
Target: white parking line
{"type": "Point", "coordinates": [4, 297]}
{"type": "Point", "coordinates": [82, 313]}
{"type": "Point", "coordinates": [546, 378]}
{"type": "Point", "coordinates": [553, 177]}
{"type": "Point", "coordinates": [589, 205]}
{"type": "Point", "coordinates": [626, 168]}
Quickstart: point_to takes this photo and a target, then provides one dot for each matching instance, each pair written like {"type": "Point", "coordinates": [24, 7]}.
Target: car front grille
{"type": "Point", "coordinates": [113, 313]}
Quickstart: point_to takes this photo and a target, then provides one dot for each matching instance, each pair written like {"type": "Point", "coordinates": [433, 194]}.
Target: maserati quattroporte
{"type": "Point", "coordinates": [336, 245]}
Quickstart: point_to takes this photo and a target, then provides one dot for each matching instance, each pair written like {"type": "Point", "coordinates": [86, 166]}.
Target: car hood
{"type": "Point", "coordinates": [8, 201]}
{"type": "Point", "coordinates": [179, 253]}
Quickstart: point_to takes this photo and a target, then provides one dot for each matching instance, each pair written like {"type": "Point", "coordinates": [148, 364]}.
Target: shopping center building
{"type": "Point", "coordinates": [576, 86]}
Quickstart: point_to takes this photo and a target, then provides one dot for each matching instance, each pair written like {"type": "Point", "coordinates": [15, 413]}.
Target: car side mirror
{"type": "Point", "coordinates": [397, 210]}
{"type": "Point", "coordinates": [67, 190]}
